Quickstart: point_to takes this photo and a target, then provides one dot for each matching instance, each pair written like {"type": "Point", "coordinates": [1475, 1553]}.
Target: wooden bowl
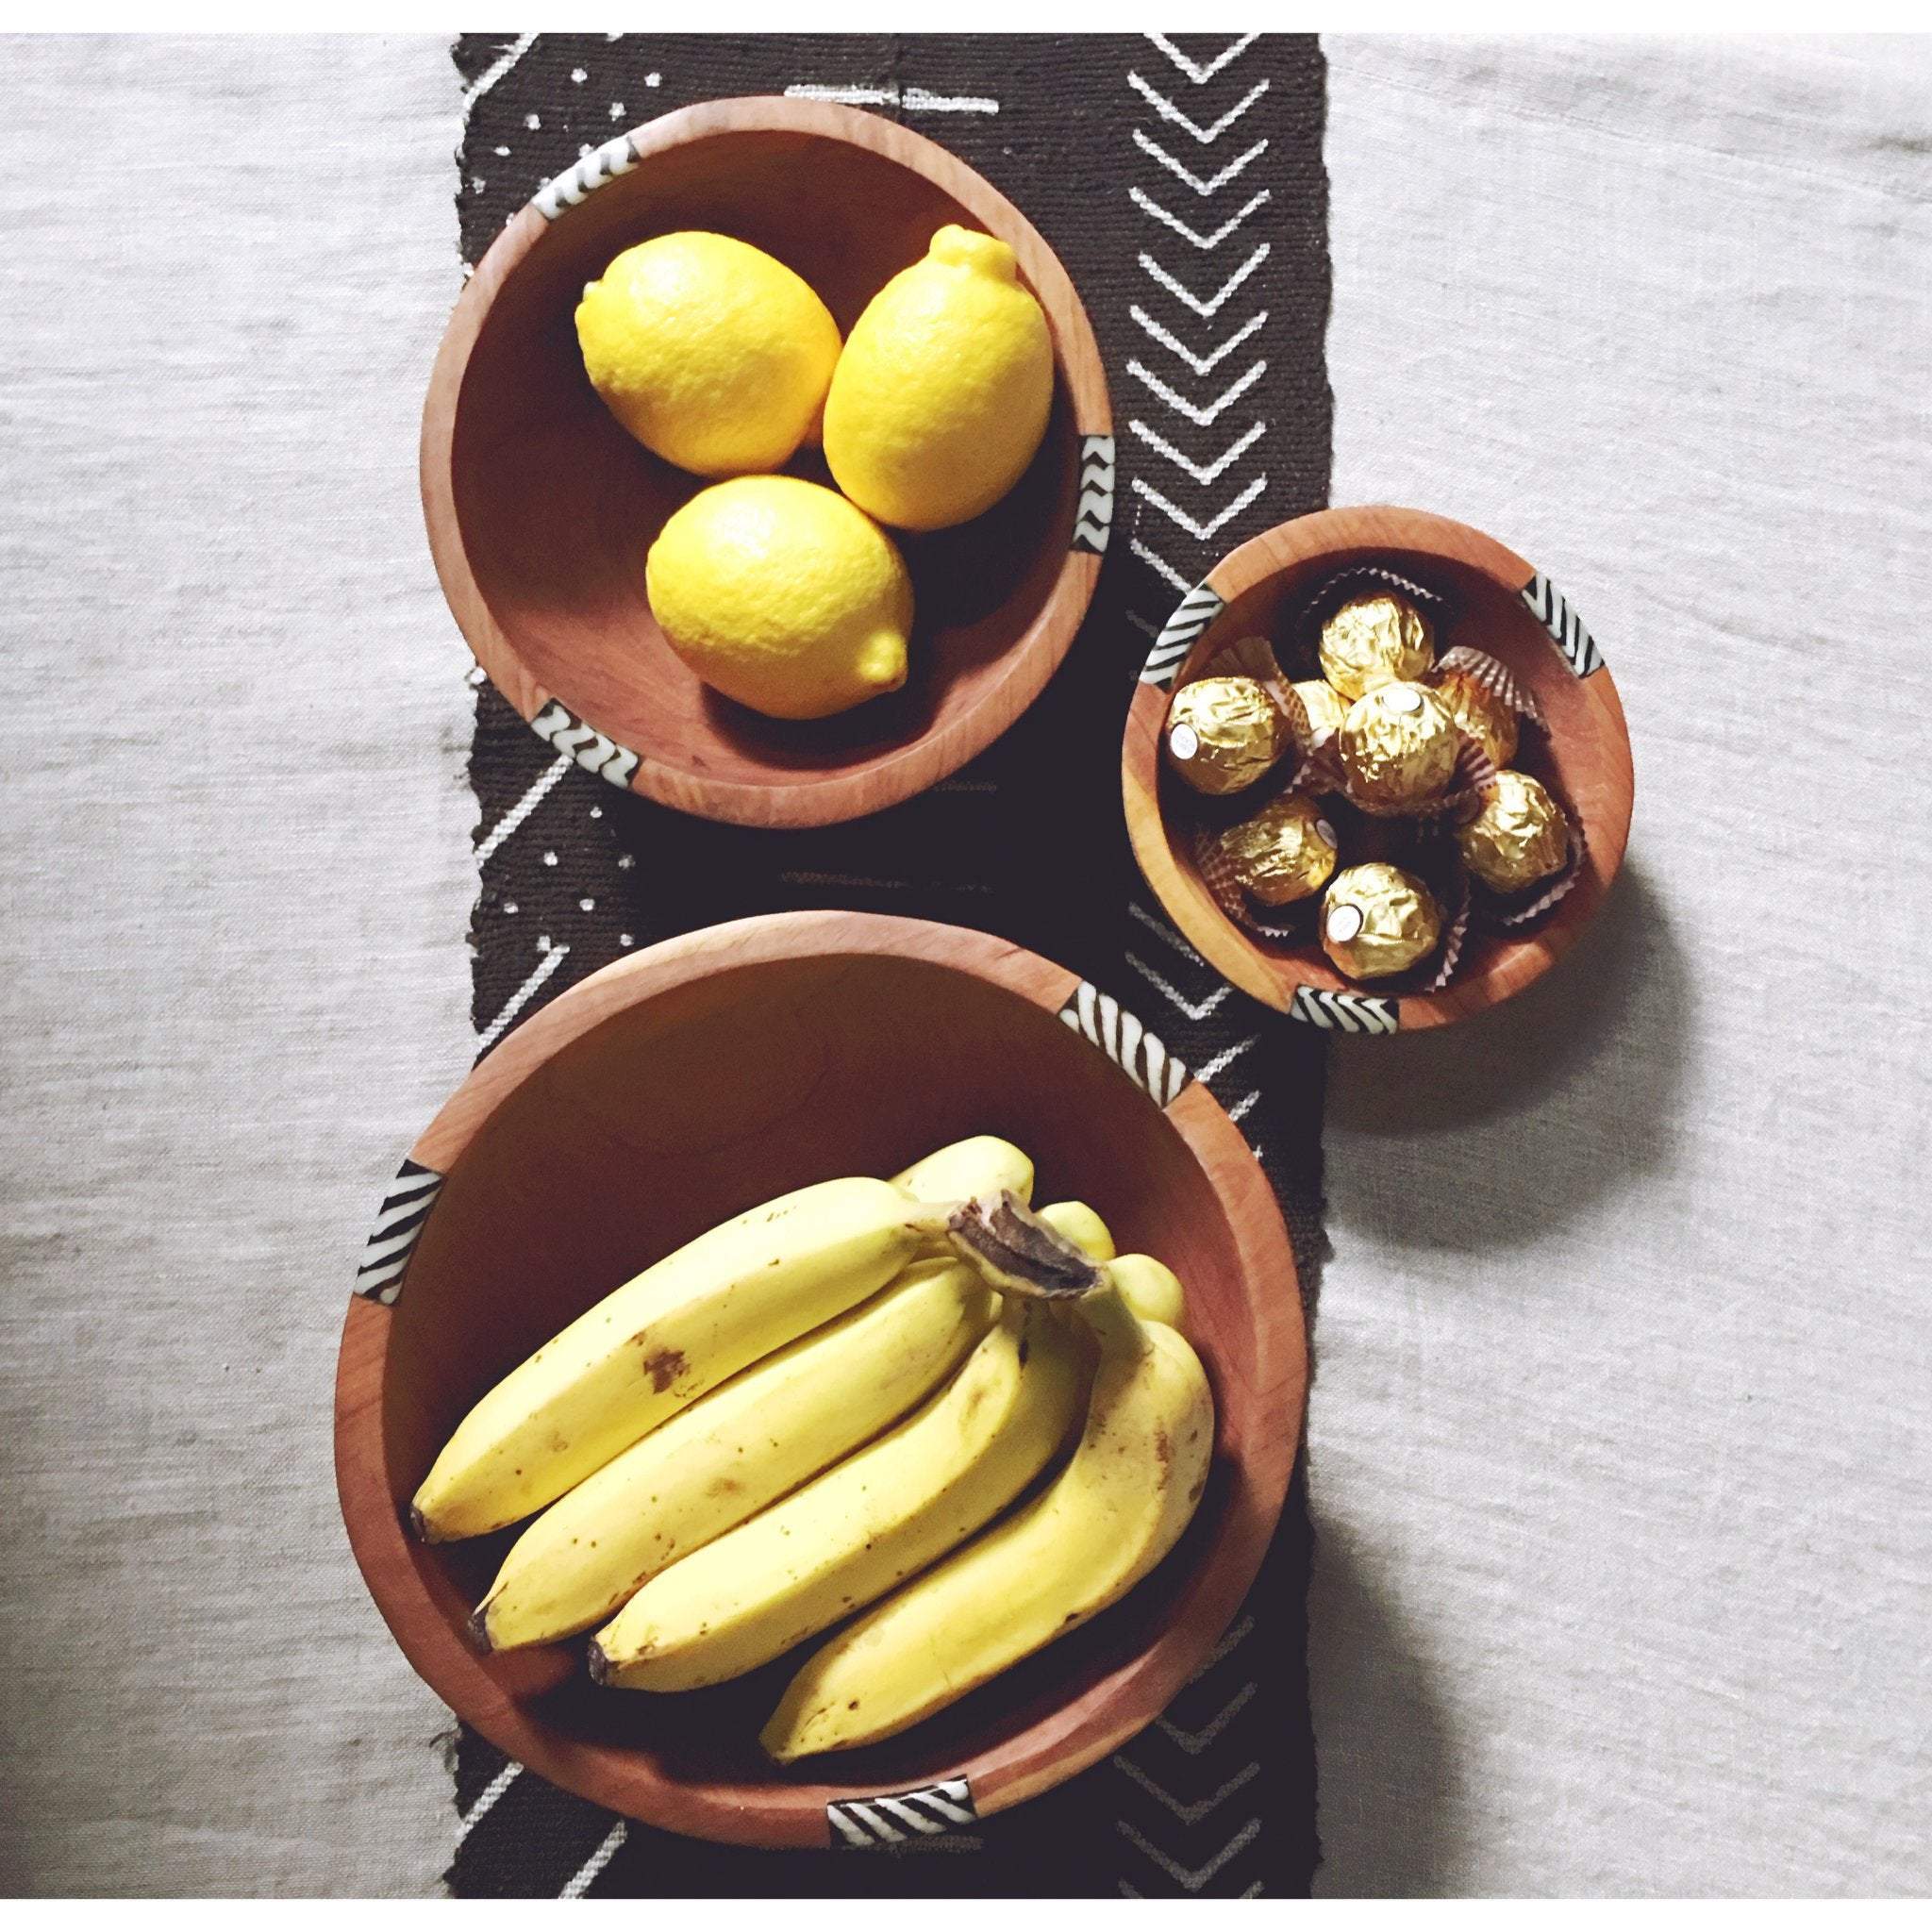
{"type": "Point", "coordinates": [540, 509]}
{"type": "Point", "coordinates": [1508, 610]}
{"type": "Point", "coordinates": [686, 1084]}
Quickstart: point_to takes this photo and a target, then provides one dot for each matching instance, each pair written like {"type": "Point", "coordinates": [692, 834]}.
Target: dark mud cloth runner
{"type": "Point", "coordinates": [1180, 180]}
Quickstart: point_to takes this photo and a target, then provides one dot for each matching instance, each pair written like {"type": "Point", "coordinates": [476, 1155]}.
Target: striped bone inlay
{"type": "Point", "coordinates": [864, 1824]}
{"type": "Point", "coordinates": [1344, 1012]}
{"type": "Point", "coordinates": [398, 1222]}
{"type": "Point", "coordinates": [1198, 610]}
{"type": "Point", "coordinates": [563, 730]}
{"type": "Point", "coordinates": [615, 157]}
{"type": "Point", "coordinates": [1093, 519]}
{"type": "Point", "coordinates": [1139, 1054]}
{"type": "Point", "coordinates": [1556, 614]}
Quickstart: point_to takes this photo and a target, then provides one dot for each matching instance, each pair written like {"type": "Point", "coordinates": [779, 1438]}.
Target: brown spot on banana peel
{"type": "Point", "coordinates": [479, 1627]}
{"type": "Point", "coordinates": [664, 1365]}
{"type": "Point", "coordinates": [1018, 1252]}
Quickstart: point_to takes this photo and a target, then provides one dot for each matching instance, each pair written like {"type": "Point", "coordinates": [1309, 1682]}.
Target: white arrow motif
{"type": "Point", "coordinates": [1194, 1743]}
{"type": "Point", "coordinates": [1200, 532]}
{"type": "Point", "coordinates": [1205, 309]}
{"type": "Point", "coordinates": [1160, 564]}
{"type": "Point", "coordinates": [1199, 364]}
{"type": "Point", "coordinates": [1174, 993]}
{"type": "Point", "coordinates": [1187, 1880]}
{"type": "Point", "coordinates": [1193, 69]}
{"type": "Point", "coordinates": [1222, 1060]}
{"type": "Point", "coordinates": [1161, 930]}
{"type": "Point", "coordinates": [1168, 111]}
{"type": "Point", "coordinates": [1188, 1814]}
{"type": "Point", "coordinates": [1177, 401]}
{"type": "Point", "coordinates": [1227, 1647]}
{"type": "Point", "coordinates": [1150, 147]}
{"type": "Point", "coordinates": [1148, 206]}
{"type": "Point", "coordinates": [1199, 472]}
{"type": "Point", "coordinates": [1242, 1104]}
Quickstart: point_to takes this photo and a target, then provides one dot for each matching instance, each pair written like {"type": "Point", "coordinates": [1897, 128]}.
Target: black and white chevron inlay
{"type": "Point", "coordinates": [399, 1221]}
{"type": "Point", "coordinates": [1344, 1012]}
{"type": "Point", "coordinates": [564, 731]}
{"type": "Point", "coordinates": [1553, 612]}
{"type": "Point", "coordinates": [1093, 520]}
{"type": "Point", "coordinates": [1138, 1052]}
{"type": "Point", "coordinates": [866, 1823]}
{"type": "Point", "coordinates": [1198, 610]}
{"type": "Point", "coordinates": [600, 165]}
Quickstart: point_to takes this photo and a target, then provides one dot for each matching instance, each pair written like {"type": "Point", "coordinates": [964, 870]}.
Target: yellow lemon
{"type": "Point", "coordinates": [708, 351]}
{"type": "Point", "coordinates": [942, 394]}
{"type": "Point", "coordinates": [780, 594]}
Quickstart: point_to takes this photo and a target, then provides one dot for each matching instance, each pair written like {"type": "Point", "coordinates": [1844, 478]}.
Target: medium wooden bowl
{"type": "Point", "coordinates": [541, 508]}
{"type": "Point", "coordinates": [1508, 610]}
{"type": "Point", "coordinates": [686, 1084]}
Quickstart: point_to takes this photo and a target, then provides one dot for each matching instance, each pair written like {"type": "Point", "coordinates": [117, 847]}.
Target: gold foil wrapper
{"type": "Point", "coordinates": [1378, 920]}
{"type": "Point", "coordinates": [1380, 639]}
{"type": "Point", "coordinates": [1326, 707]}
{"type": "Point", "coordinates": [1223, 733]}
{"type": "Point", "coordinates": [1479, 712]}
{"type": "Point", "coordinates": [1399, 746]}
{"type": "Point", "coordinates": [1284, 852]}
{"type": "Point", "coordinates": [1519, 837]}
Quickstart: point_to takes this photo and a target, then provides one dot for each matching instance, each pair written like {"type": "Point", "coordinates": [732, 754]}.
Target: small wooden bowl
{"type": "Point", "coordinates": [684, 1085]}
{"type": "Point", "coordinates": [1507, 610]}
{"type": "Point", "coordinates": [540, 509]}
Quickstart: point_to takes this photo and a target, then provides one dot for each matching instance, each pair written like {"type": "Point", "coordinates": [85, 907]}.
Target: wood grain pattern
{"type": "Point", "coordinates": [683, 1085]}
{"type": "Point", "coordinates": [540, 509]}
{"type": "Point", "coordinates": [1587, 747]}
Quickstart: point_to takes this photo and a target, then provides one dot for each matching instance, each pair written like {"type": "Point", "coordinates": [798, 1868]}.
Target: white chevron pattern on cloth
{"type": "Point", "coordinates": [1344, 1012]}
{"type": "Point", "coordinates": [1093, 518]}
{"type": "Point", "coordinates": [615, 157]}
{"type": "Point", "coordinates": [1555, 613]}
{"type": "Point", "coordinates": [864, 1825]}
{"type": "Point", "coordinates": [1197, 610]}
{"type": "Point", "coordinates": [398, 1222]}
{"type": "Point", "coordinates": [563, 730]}
{"type": "Point", "coordinates": [1121, 1037]}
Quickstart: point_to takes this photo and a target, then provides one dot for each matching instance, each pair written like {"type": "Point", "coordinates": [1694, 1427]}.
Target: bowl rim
{"type": "Point", "coordinates": [804, 799]}
{"type": "Point", "coordinates": [1317, 995]}
{"type": "Point", "coordinates": [1062, 1743]}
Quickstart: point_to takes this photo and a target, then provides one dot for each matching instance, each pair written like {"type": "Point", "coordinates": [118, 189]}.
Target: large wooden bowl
{"type": "Point", "coordinates": [684, 1085]}
{"type": "Point", "coordinates": [1508, 610]}
{"type": "Point", "coordinates": [540, 509]}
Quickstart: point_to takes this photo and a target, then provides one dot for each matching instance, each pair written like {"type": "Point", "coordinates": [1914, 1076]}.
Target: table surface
{"type": "Point", "coordinates": [1622, 1427]}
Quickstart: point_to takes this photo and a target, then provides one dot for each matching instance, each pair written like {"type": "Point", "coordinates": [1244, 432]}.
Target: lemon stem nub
{"type": "Point", "coordinates": [1019, 1252]}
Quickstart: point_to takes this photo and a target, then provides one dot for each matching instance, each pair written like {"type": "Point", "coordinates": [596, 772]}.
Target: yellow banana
{"type": "Point", "coordinates": [1150, 1287]}
{"type": "Point", "coordinates": [1113, 1513]}
{"type": "Point", "coordinates": [982, 1165]}
{"type": "Point", "coordinates": [770, 1427]}
{"type": "Point", "coordinates": [854, 1532]}
{"type": "Point", "coordinates": [1076, 1222]}
{"type": "Point", "coordinates": [646, 1351]}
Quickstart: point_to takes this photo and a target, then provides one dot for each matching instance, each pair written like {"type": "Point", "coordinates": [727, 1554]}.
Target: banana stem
{"type": "Point", "coordinates": [1019, 1252]}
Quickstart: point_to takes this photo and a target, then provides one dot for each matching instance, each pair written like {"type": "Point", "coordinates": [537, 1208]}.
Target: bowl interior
{"type": "Point", "coordinates": [1585, 765]}
{"type": "Point", "coordinates": [557, 505]}
{"type": "Point", "coordinates": [697, 1103]}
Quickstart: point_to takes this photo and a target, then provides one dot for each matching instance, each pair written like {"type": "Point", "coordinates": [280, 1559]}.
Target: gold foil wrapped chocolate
{"type": "Point", "coordinates": [1284, 852]}
{"type": "Point", "coordinates": [1326, 707]}
{"type": "Point", "coordinates": [1399, 746]}
{"type": "Point", "coordinates": [1380, 639]}
{"type": "Point", "coordinates": [1480, 712]}
{"type": "Point", "coordinates": [1378, 920]}
{"type": "Point", "coordinates": [1223, 733]}
{"type": "Point", "coordinates": [1519, 837]}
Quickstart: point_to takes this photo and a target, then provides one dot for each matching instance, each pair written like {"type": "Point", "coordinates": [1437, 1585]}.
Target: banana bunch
{"type": "Point", "coordinates": [825, 1412]}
